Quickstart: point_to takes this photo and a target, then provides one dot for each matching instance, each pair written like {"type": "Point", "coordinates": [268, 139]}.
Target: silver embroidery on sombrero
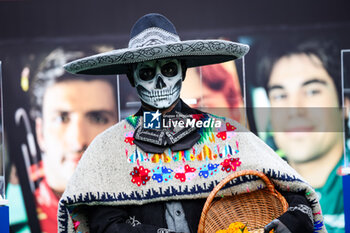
{"type": "Point", "coordinates": [153, 36]}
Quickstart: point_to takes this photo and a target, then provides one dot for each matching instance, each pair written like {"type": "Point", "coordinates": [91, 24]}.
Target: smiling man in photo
{"type": "Point", "coordinates": [303, 86]}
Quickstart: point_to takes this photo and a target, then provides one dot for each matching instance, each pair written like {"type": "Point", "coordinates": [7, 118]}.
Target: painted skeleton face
{"type": "Point", "coordinates": [158, 83]}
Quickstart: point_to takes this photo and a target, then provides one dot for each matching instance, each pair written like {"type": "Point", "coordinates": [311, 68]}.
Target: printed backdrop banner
{"type": "Point", "coordinates": [219, 86]}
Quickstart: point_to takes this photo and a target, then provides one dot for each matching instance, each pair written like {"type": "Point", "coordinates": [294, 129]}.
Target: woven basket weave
{"type": "Point", "coordinates": [256, 209]}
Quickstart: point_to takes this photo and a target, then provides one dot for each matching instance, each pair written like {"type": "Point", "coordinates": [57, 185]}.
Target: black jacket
{"type": "Point", "coordinates": [150, 218]}
{"type": "Point", "coordinates": [142, 218]}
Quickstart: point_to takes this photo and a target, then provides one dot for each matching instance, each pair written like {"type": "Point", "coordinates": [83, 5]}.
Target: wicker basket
{"type": "Point", "coordinates": [256, 209]}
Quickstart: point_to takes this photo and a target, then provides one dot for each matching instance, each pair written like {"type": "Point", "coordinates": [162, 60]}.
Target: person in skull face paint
{"type": "Point", "coordinates": [135, 178]}
{"type": "Point", "coordinates": [158, 83]}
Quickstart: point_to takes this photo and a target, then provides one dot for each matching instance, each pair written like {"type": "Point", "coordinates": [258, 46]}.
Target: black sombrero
{"type": "Point", "coordinates": [154, 37]}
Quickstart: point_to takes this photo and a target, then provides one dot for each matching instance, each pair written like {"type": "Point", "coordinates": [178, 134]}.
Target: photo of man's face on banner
{"type": "Point", "coordinates": [57, 117]}
{"type": "Point", "coordinates": [298, 110]}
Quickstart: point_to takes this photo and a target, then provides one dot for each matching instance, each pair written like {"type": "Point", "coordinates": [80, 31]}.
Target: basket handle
{"type": "Point", "coordinates": [222, 183]}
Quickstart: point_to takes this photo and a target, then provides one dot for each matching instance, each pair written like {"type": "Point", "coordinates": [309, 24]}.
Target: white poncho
{"type": "Point", "coordinates": [113, 171]}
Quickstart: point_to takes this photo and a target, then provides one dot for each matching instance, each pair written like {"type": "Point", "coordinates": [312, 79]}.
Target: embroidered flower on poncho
{"type": "Point", "coordinates": [230, 164]}
{"type": "Point", "coordinates": [208, 170]}
{"type": "Point", "coordinates": [185, 173]}
{"type": "Point", "coordinates": [161, 174]}
{"type": "Point", "coordinates": [140, 175]}
{"type": "Point", "coordinates": [226, 134]}
{"type": "Point", "coordinates": [129, 138]}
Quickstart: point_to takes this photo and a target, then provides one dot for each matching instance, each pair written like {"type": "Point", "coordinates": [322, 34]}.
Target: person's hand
{"type": "Point", "coordinates": [278, 226]}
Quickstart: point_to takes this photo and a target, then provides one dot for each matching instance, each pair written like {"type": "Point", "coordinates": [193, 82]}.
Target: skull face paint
{"type": "Point", "coordinates": [158, 83]}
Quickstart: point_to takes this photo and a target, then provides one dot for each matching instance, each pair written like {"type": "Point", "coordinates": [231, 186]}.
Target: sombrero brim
{"type": "Point", "coordinates": [193, 52]}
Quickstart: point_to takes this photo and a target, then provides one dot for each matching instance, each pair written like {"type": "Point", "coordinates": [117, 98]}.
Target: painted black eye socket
{"type": "Point", "coordinates": [169, 69]}
{"type": "Point", "coordinates": [147, 74]}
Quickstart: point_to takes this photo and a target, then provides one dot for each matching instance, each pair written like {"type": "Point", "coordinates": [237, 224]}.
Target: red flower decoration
{"type": "Point", "coordinates": [230, 127]}
{"type": "Point", "coordinates": [181, 176]}
{"type": "Point", "coordinates": [230, 164]}
{"type": "Point", "coordinates": [140, 175]}
{"type": "Point", "coordinates": [222, 135]}
{"type": "Point", "coordinates": [129, 140]}
{"type": "Point", "coordinates": [185, 173]}
{"type": "Point", "coordinates": [189, 169]}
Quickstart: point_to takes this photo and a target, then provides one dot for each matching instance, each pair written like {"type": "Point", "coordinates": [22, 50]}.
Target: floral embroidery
{"type": "Point", "coordinates": [129, 138]}
{"type": "Point", "coordinates": [140, 175]}
{"type": "Point", "coordinates": [162, 173]}
{"type": "Point", "coordinates": [230, 127]}
{"type": "Point", "coordinates": [226, 133]}
{"type": "Point", "coordinates": [184, 173]}
{"type": "Point", "coordinates": [208, 170]}
{"type": "Point", "coordinates": [230, 164]}
{"type": "Point", "coordinates": [222, 135]}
